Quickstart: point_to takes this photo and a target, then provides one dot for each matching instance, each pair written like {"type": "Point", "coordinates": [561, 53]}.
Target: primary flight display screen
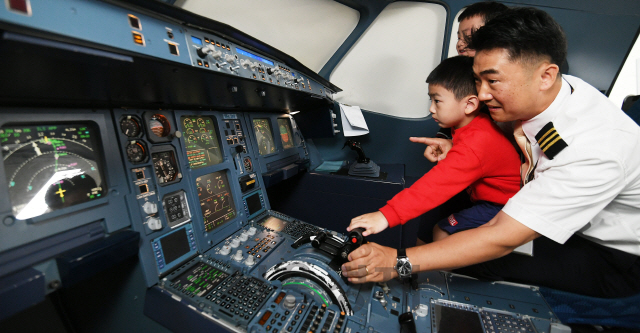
{"type": "Point", "coordinates": [51, 166]}
{"type": "Point", "coordinates": [264, 136]}
{"type": "Point", "coordinates": [284, 126]}
{"type": "Point", "coordinates": [216, 200]}
{"type": "Point", "coordinates": [201, 141]}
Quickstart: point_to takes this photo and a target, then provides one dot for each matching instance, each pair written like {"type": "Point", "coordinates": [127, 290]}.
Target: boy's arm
{"type": "Point", "coordinates": [437, 148]}
{"type": "Point", "coordinates": [449, 177]}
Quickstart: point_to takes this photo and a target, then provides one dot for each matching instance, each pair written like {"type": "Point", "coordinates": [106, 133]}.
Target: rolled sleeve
{"type": "Point", "coordinates": [567, 193]}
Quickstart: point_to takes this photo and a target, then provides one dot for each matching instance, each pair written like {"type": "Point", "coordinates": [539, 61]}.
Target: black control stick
{"type": "Point", "coordinates": [355, 145]}
{"type": "Point", "coordinates": [334, 246]}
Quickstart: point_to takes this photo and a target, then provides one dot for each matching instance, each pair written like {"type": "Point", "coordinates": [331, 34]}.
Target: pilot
{"type": "Point", "coordinates": [581, 206]}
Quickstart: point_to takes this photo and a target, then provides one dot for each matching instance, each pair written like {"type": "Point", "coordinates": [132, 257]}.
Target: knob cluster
{"type": "Point", "coordinates": [235, 243]}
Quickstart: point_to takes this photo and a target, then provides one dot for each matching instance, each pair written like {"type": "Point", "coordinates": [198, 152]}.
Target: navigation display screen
{"type": "Point", "coordinates": [201, 141]}
{"type": "Point", "coordinates": [216, 200]}
{"type": "Point", "coordinates": [49, 167]}
{"type": "Point", "coordinates": [264, 136]}
{"type": "Point", "coordinates": [284, 126]}
{"type": "Point", "coordinates": [175, 245]}
{"type": "Point", "coordinates": [451, 320]}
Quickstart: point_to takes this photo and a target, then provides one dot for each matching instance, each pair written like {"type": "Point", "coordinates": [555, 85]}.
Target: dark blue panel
{"type": "Point", "coordinates": [388, 142]}
{"type": "Point", "coordinates": [86, 261]}
{"type": "Point", "coordinates": [20, 291]}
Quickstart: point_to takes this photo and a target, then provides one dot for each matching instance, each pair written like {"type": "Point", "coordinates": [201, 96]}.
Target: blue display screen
{"type": "Point", "coordinates": [251, 55]}
{"type": "Point", "coordinates": [196, 40]}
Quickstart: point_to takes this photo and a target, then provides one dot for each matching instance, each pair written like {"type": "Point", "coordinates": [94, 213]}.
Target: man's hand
{"type": "Point", "coordinates": [371, 262]}
{"type": "Point", "coordinates": [373, 223]}
{"type": "Point", "coordinates": [437, 148]}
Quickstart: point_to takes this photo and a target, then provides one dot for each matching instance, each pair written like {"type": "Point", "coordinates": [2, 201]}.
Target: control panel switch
{"type": "Point", "coordinates": [238, 256]}
{"type": "Point", "coordinates": [422, 310]}
{"type": "Point", "coordinates": [234, 243]}
{"type": "Point", "coordinates": [154, 223]}
{"type": "Point", "coordinates": [243, 236]}
{"type": "Point", "coordinates": [289, 302]}
{"type": "Point", "coordinates": [251, 231]}
{"type": "Point", "coordinates": [250, 261]}
{"type": "Point", "coordinates": [150, 208]}
{"type": "Point", "coordinates": [225, 250]}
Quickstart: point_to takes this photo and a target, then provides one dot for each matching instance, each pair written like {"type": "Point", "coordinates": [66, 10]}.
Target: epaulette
{"type": "Point", "coordinates": [550, 141]}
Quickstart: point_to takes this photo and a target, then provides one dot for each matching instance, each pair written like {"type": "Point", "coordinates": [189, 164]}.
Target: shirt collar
{"type": "Point", "coordinates": [532, 126]}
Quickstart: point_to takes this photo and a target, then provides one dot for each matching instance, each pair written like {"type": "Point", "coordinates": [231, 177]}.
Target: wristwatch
{"type": "Point", "coordinates": [403, 265]}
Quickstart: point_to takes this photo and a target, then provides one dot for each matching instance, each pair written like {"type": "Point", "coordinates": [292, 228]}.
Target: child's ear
{"type": "Point", "coordinates": [472, 103]}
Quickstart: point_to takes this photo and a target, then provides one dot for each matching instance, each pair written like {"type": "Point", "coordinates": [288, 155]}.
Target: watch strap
{"type": "Point", "coordinates": [402, 253]}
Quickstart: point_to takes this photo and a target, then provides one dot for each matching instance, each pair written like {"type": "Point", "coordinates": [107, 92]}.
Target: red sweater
{"type": "Point", "coordinates": [482, 160]}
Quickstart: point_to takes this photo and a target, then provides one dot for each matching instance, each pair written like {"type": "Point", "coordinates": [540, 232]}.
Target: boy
{"type": "Point", "coordinates": [482, 160]}
{"type": "Point", "coordinates": [471, 19]}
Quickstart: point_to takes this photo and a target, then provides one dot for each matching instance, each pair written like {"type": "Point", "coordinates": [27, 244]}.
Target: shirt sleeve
{"type": "Point", "coordinates": [567, 193]}
{"type": "Point", "coordinates": [450, 176]}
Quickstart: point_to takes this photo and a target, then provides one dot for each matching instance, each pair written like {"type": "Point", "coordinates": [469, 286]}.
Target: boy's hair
{"type": "Point", "coordinates": [486, 10]}
{"type": "Point", "coordinates": [529, 35]}
{"type": "Point", "coordinates": [456, 75]}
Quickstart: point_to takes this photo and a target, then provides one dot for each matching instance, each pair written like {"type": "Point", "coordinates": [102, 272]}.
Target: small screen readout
{"type": "Point", "coordinates": [284, 127]}
{"type": "Point", "coordinates": [251, 55]}
{"type": "Point", "coordinates": [175, 245]}
{"type": "Point", "coordinates": [253, 203]}
{"type": "Point", "coordinates": [264, 136]}
{"type": "Point", "coordinates": [196, 40]}
{"type": "Point", "coordinates": [216, 200]}
{"type": "Point", "coordinates": [451, 320]}
{"type": "Point", "coordinates": [274, 223]}
{"type": "Point", "coordinates": [201, 141]}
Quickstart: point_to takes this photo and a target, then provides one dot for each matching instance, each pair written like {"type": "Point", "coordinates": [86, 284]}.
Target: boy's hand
{"type": "Point", "coordinates": [373, 223]}
{"type": "Point", "coordinates": [437, 148]}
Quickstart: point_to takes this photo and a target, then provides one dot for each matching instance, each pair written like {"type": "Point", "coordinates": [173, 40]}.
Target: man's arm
{"type": "Point", "coordinates": [493, 240]}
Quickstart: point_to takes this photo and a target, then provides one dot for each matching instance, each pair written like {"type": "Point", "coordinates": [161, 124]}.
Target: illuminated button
{"type": "Point", "coordinates": [354, 240]}
{"type": "Point", "coordinates": [138, 38]}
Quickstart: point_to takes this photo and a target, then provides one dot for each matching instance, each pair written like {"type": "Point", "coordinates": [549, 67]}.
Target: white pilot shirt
{"type": "Point", "coordinates": [591, 186]}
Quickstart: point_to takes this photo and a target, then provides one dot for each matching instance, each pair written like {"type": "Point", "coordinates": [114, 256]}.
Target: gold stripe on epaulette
{"type": "Point", "coordinates": [548, 132]}
{"type": "Point", "coordinates": [551, 144]}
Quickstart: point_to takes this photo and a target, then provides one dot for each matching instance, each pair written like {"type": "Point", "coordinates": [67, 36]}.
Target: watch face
{"type": "Point", "coordinates": [403, 267]}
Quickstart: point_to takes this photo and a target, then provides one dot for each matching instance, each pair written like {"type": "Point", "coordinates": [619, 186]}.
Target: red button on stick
{"type": "Point", "coordinates": [354, 240]}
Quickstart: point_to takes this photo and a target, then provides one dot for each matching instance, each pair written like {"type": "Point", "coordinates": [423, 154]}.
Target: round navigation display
{"type": "Point", "coordinates": [49, 167]}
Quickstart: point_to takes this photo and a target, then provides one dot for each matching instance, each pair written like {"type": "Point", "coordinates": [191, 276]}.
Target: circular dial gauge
{"type": "Point", "coordinates": [50, 167]}
{"type": "Point", "coordinates": [165, 166]}
{"type": "Point", "coordinates": [247, 163]}
{"type": "Point", "coordinates": [130, 127]}
{"type": "Point", "coordinates": [159, 125]}
{"type": "Point", "coordinates": [136, 152]}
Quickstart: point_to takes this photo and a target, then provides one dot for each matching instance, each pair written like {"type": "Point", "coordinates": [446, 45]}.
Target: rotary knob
{"type": "Point", "coordinates": [243, 237]}
{"type": "Point", "coordinates": [234, 243]}
{"type": "Point", "coordinates": [250, 261]}
{"type": "Point", "coordinates": [225, 250]}
{"type": "Point", "coordinates": [154, 223]}
{"type": "Point", "coordinates": [205, 50]}
{"type": "Point", "coordinates": [238, 256]}
{"type": "Point", "coordinates": [229, 58]}
{"type": "Point", "coordinates": [422, 310]}
{"type": "Point", "coordinates": [251, 231]}
{"type": "Point", "coordinates": [150, 207]}
{"type": "Point", "coordinates": [289, 302]}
